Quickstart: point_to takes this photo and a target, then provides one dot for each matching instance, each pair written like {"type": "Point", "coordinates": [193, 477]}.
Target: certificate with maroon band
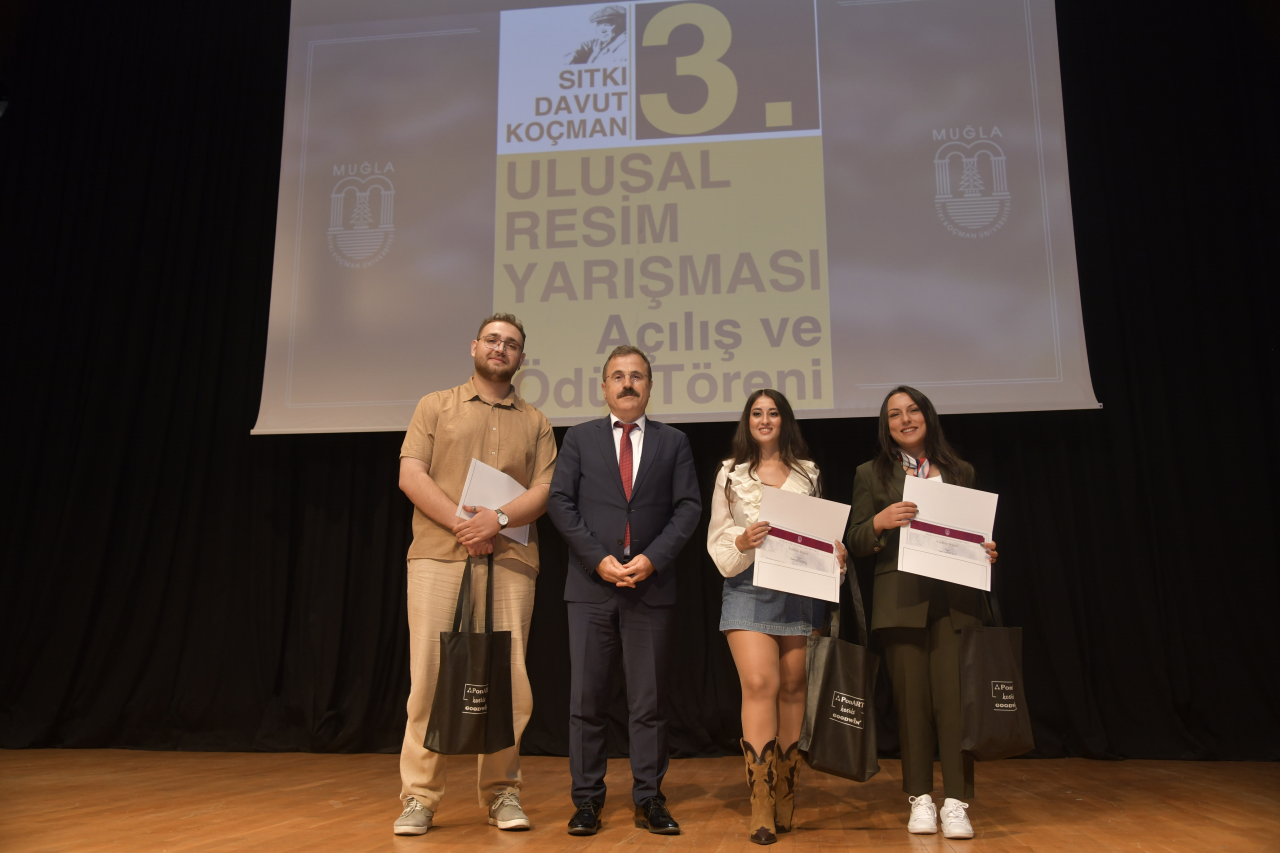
{"type": "Point", "coordinates": [792, 562]}
{"type": "Point", "coordinates": [944, 540]}
{"type": "Point", "coordinates": [799, 554]}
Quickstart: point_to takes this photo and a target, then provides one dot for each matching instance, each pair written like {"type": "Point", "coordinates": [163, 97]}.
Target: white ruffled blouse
{"type": "Point", "coordinates": [728, 519]}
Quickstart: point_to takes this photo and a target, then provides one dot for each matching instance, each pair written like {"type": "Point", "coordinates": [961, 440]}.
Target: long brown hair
{"type": "Point", "coordinates": [792, 447]}
{"type": "Point", "coordinates": [936, 448]}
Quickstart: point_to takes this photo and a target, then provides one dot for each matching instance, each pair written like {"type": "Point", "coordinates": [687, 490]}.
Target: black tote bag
{"type": "Point", "coordinates": [471, 712]}
{"type": "Point", "coordinates": [838, 734]}
{"type": "Point", "coordinates": [994, 721]}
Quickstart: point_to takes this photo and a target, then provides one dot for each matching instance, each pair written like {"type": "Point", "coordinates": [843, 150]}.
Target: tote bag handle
{"type": "Point", "coordinates": [856, 594]}
{"type": "Point", "coordinates": [993, 606]}
{"type": "Point", "coordinates": [463, 620]}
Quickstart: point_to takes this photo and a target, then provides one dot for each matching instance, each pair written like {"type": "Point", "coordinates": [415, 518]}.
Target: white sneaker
{"type": "Point", "coordinates": [924, 815]}
{"type": "Point", "coordinates": [415, 820]}
{"type": "Point", "coordinates": [505, 812]}
{"type": "Point", "coordinates": [955, 823]}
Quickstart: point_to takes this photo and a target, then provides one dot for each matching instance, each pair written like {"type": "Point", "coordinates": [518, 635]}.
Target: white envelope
{"type": "Point", "coordinates": [488, 487]}
{"type": "Point", "coordinates": [944, 540]}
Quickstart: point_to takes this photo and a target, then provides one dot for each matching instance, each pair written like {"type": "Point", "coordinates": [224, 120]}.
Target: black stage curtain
{"type": "Point", "coordinates": [170, 582]}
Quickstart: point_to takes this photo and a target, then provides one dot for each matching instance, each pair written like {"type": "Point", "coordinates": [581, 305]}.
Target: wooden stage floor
{"type": "Point", "coordinates": [147, 802]}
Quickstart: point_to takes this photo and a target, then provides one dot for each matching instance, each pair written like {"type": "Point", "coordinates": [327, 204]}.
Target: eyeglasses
{"type": "Point", "coordinates": [620, 377]}
{"type": "Point", "coordinates": [494, 342]}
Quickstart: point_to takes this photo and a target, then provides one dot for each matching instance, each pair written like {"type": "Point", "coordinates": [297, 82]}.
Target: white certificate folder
{"type": "Point", "coordinates": [488, 487]}
{"type": "Point", "coordinates": [798, 555]}
{"type": "Point", "coordinates": [944, 540]}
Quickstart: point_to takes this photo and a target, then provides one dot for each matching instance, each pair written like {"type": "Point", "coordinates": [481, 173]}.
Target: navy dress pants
{"type": "Point", "coordinates": [596, 632]}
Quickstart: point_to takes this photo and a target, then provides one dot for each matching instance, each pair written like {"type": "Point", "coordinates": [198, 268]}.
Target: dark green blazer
{"type": "Point", "coordinates": [900, 600]}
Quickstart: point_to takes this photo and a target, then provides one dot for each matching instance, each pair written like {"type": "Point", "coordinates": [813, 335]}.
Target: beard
{"type": "Point", "coordinates": [493, 372]}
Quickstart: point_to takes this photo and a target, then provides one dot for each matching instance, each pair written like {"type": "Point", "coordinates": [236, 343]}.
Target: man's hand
{"type": "Point", "coordinates": [842, 557]}
{"type": "Point", "coordinates": [636, 570]}
{"type": "Point", "coordinates": [612, 571]}
{"type": "Point", "coordinates": [480, 527]}
{"type": "Point", "coordinates": [991, 551]}
{"type": "Point", "coordinates": [479, 549]}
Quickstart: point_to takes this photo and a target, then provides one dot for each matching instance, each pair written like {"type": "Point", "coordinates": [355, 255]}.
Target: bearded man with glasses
{"type": "Point", "coordinates": [481, 419]}
{"type": "Point", "coordinates": [625, 499]}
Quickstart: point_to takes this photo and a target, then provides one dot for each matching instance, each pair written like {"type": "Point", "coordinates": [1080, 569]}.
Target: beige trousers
{"type": "Point", "coordinates": [433, 596]}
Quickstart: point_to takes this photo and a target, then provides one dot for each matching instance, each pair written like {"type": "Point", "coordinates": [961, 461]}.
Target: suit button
{"type": "Point", "coordinates": [876, 549]}
{"type": "Point", "coordinates": [619, 541]}
{"type": "Point", "coordinates": [630, 510]}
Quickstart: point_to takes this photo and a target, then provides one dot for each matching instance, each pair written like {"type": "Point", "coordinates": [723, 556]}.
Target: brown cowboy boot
{"type": "Point", "coordinates": [784, 787]}
{"type": "Point", "coordinates": [761, 770]}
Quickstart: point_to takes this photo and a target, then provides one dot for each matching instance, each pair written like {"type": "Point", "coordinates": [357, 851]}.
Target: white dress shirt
{"type": "Point", "coordinates": [637, 442]}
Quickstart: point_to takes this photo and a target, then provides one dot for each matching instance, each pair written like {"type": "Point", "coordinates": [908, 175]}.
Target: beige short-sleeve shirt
{"type": "Point", "coordinates": [448, 430]}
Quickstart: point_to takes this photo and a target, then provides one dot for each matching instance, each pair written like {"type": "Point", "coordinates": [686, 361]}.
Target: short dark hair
{"type": "Point", "coordinates": [503, 318]}
{"type": "Point", "coordinates": [626, 349]}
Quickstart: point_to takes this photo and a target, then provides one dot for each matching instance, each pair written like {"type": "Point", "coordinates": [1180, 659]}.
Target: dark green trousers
{"type": "Point", "coordinates": [924, 667]}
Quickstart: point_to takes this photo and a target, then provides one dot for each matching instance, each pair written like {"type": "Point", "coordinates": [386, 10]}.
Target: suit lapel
{"type": "Point", "coordinates": [897, 484]}
{"type": "Point", "coordinates": [610, 456]}
{"type": "Point", "coordinates": [652, 438]}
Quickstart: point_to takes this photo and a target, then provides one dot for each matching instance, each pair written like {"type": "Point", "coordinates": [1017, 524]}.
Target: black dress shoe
{"type": "Point", "coordinates": [652, 815]}
{"type": "Point", "coordinates": [586, 820]}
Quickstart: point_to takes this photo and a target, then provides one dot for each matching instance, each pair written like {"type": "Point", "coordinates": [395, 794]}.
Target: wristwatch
{"type": "Point", "coordinates": [503, 521]}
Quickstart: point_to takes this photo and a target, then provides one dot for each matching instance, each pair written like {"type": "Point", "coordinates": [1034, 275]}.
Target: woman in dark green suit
{"type": "Point", "coordinates": [917, 618]}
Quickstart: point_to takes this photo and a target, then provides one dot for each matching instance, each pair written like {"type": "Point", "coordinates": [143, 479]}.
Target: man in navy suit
{"type": "Point", "coordinates": [625, 499]}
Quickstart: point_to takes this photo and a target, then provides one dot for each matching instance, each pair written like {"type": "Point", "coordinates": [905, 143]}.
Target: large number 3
{"type": "Point", "coordinates": [722, 86]}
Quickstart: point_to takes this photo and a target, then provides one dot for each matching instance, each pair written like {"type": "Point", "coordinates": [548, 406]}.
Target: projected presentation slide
{"type": "Point", "coordinates": [828, 198]}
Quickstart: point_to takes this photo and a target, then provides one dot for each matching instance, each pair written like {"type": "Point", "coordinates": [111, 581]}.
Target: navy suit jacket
{"type": "Point", "coordinates": [590, 509]}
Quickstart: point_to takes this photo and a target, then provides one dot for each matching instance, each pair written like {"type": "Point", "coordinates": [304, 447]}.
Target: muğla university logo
{"type": "Point", "coordinates": [360, 214]}
{"type": "Point", "coordinates": [972, 197]}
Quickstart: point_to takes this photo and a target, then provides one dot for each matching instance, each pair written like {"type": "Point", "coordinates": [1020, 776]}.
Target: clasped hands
{"type": "Point", "coordinates": [899, 514]}
{"type": "Point", "coordinates": [476, 533]}
{"type": "Point", "coordinates": [754, 535]}
{"type": "Point", "coordinates": [625, 574]}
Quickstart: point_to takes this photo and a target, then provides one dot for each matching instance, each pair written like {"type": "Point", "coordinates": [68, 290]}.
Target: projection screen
{"type": "Point", "coordinates": [829, 198]}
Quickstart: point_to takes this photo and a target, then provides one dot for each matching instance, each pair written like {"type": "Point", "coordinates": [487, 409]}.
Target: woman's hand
{"type": "Point", "coordinates": [751, 537]}
{"type": "Point", "coordinates": [842, 557]}
{"type": "Point", "coordinates": [991, 550]}
{"type": "Point", "coordinates": [894, 515]}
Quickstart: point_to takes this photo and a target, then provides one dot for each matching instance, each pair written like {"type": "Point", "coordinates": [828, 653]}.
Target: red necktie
{"type": "Point", "coordinates": [624, 468]}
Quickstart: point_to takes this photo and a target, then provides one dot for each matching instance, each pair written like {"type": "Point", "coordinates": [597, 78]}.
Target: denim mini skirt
{"type": "Point", "coordinates": [747, 607]}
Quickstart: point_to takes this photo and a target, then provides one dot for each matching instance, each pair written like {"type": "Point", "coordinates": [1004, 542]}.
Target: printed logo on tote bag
{"type": "Point", "coordinates": [849, 710]}
{"type": "Point", "coordinates": [1002, 692]}
{"type": "Point", "coordinates": [475, 699]}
